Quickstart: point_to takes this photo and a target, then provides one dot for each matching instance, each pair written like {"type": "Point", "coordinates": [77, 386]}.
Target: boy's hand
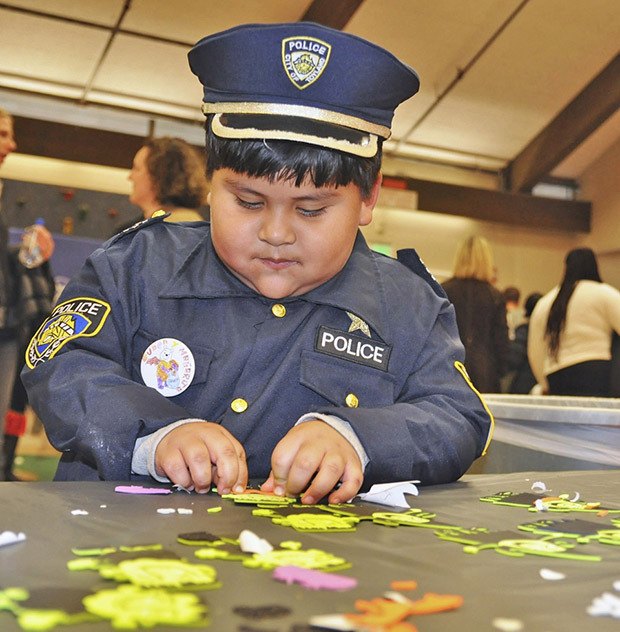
{"type": "Point", "coordinates": [315, 449]}
{"type": "Point", "coordinates": [200, 454]}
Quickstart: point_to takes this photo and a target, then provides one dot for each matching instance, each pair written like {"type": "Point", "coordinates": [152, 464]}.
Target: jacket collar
{"type": "Point", "coordinates": [356, 288]}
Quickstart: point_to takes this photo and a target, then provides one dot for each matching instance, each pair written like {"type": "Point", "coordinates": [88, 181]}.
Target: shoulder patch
{"type": "Point", "coordinates": [75, 318]}
{"type": "Point", "coordinates": [157, 218]}
{"type": "Point", "coordinates": [410, 258]}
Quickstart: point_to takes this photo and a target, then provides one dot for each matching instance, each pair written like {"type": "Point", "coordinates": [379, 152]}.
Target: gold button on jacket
{"type": "Point", "coordinates": [278, 310]}
{"type": "Point", "coordinates": [239, 405]}
{"type": "Point", "coordinates": [351, 401]}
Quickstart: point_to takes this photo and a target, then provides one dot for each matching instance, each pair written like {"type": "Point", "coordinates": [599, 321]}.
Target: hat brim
{"type": "Point", "coordinates": [296, 123]}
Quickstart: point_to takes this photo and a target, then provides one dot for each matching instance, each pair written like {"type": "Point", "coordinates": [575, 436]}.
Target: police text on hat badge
{"type": "Point", "coordinates": [304, 59]}
{"type": "Point", "coordinates": [168, 366]}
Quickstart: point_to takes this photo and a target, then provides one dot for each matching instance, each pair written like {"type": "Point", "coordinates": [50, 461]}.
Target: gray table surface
{"type": "Point", "coordinates": [492, 585]}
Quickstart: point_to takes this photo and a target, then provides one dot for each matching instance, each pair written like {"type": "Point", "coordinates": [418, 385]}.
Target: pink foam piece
{"type": "Point", "coordinates": [314, 580]}
{"type": "Point", "coordinates": [138, 489]}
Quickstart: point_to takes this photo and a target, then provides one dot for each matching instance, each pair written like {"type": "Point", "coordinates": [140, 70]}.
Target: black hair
{"type": "Point", "coordinates": [291, 160]}
{"type": "Point", "coordinates": [530, 303]}
{"type": "Point", "coordinates": [580, 265]}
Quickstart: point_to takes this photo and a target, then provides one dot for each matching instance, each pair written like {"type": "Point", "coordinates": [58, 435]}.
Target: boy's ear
{"type": "Point", "coordinates": [369, 203]}
{"type": "Point", "coordinates": [209, 198]}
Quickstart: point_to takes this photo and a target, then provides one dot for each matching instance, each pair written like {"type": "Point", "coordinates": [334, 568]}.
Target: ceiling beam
{"type": "Point", "coordinates": [330, 13]}
{"type": "Point", "coordinates": [486, 205]}
{"type": "Point", "coordinates": [584, 114]}
{"type": "Point", "coordinates": [72, 142]}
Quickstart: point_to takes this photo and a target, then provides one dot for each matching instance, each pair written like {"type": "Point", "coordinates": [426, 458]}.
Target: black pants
{"type": "Point", "coordinates": [586, 379]}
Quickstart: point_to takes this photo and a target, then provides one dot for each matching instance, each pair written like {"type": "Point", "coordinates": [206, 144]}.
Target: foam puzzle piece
{"type": "Point", "coordinates": [108, 550]}
{"type": "Point", "coordinates": [583, 531]}
{"type": "Point", "coordinates": [313, 579]}
{"type": "Point", "coordinates": [162, 573]}
{"type": "Point", "coordinates": [262, 612]}
{"type": "Point", "coordinates": [310, 521]}
{"type": "Point", "coordinates": [304, 558]}
{"type": "Point", "coordinates": [139, 489]}
{"type": "Point", "coordinates": [198, 538]}
{"type": "Point", "coordinates": [129, 606]}
{"type": "Point", "coordinates": [31, 615]}
{"type": "Point", "coordinates": [260, 499]}
{"type": "Point", "coordinates": [535, 502]}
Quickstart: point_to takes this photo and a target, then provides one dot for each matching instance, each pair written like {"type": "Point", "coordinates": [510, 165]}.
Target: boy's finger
{"type": "Point", "coordinates": [229, 458]}
{"type": "Point", "coordinates": [268, 485]}
{"type": "Point", "coordinates": [351, 483]}
{"type": "Point", "coordinates": [198, 459]}
{"type": "Point", "coordinates": [242, 475]}
{"type": "Point", "coordinates": [173, 466]}
{"type": "Point", "coordinates": [303, 469]}
{"type": "Point", "coordinates": [329, 472]}
{"type": "Point", "coordinates": [281, 461]}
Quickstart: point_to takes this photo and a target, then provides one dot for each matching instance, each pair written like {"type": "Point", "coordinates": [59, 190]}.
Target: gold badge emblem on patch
{"type": "Point", "coordinates": [72, 319]}
{"type": "Point", "coordinates": [304, 59]}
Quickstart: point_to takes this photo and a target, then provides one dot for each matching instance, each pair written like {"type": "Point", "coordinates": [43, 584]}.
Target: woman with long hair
{"type": "Point", "coordinates": [480, 313]}
{"type": "Point", "coordinates": [571, 327]}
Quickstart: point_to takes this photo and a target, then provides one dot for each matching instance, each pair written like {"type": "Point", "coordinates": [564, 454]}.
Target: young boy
{"type": "Point", "coordinates": [272, 343]}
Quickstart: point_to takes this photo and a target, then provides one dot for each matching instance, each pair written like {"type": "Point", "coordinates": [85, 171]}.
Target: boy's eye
{"type": "Point", "coordinates": [246, 204]}
{"type": "Point", "coordinates": [306, 212]}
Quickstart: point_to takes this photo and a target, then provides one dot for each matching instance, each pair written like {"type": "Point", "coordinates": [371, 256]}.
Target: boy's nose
{"type": "Point", "coordinates": [276, 230]}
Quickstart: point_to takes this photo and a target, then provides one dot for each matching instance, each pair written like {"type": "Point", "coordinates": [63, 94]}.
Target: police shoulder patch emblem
{"type": "Point", "coordinates": [304, 59]}
{"type": "Point", "coordinates": [75, 318]}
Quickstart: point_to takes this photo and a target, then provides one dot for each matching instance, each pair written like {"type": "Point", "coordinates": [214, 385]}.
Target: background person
{"type": "Point", "coordinates": [23, 299]}
{"type": "Point", "coordinates": [571, 328]}
{"type": "Point", "coordinates": [522, 379]}
{"type": "Point", "coordinates": [168, 174]}
{"type": "Point", "coordinates": [514, 311]}
{"type": "Point", "coordinates": [480, 313]}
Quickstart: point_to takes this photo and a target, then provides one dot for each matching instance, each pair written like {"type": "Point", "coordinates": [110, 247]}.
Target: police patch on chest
{"type": "Point", "coordinates": [75, 318]}
{"type": "Point", "coordinates": [353, 348]}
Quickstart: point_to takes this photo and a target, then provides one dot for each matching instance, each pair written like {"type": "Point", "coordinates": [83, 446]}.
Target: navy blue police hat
{"type": "Point", "coordinates": [303, 82]}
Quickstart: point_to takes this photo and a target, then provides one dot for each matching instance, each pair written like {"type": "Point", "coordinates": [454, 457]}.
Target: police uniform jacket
{"type": "Point", "coordinates": [399, 388]}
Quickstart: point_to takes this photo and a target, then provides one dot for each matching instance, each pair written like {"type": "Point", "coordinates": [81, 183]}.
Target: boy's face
{"type": "Point", "coordinates": [282, 240]}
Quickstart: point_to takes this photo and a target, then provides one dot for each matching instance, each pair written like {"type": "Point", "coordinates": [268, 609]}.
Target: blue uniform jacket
{"type": "Point", "coordinates": [416, 416]}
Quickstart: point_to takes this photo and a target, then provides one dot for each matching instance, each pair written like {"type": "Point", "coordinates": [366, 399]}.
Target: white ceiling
{"type": "Point", "coordinates": [520, 63]}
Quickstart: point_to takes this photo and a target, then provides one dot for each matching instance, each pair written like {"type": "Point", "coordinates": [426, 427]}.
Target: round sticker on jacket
{"type": "Point", "coordinates": [168, 366]}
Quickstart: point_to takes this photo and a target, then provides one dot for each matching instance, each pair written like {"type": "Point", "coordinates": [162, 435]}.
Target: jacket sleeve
{"type": "Point", "coordinates": [83, 391]}
{"type": "Point", "coordinates": [613, 307]}
{"type": "Point", "coordinates": [438, 424]}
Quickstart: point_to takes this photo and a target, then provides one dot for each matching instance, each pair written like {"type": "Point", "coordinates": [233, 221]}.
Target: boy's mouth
{"type": "Point", "coordinates": [277, 264]}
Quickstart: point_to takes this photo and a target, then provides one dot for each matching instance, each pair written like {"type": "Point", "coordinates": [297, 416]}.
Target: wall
{"type": "Point", "coordinates": [601, 184]}
{"type": "Point", "coordinates": [530, 259]}
{"type": "Point", "coordinates": [94, 197]}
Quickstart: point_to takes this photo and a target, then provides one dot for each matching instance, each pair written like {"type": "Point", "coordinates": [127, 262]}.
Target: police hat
{"type": "Point", "coordinates": [302, 82]}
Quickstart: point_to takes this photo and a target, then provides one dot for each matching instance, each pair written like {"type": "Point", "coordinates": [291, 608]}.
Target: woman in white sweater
{"type": "Point", "coordinates": [569, 342]}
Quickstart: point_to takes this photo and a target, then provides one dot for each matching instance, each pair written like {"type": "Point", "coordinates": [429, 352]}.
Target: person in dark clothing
{"type": "Point", "coordinates": [272, 343]}
{"type": "Point", "coordinates": [20, 298]}
{"type": "Point", "coordinates": [522, 380]}
{"type": "Point", "coordinates": [480, 313]}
